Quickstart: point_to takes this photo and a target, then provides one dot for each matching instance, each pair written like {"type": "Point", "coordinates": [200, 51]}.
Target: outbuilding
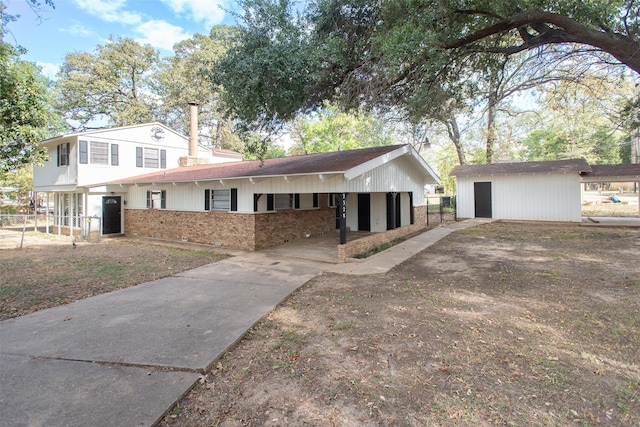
{"type": "Point", "coordinates": [530, 191]}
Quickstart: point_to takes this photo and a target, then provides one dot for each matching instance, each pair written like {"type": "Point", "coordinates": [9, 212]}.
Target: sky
{"type": "Point", "coordinates": [81, 25]}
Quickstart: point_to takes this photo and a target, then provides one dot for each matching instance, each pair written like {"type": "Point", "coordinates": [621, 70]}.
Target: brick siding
{"type": "Point", "coordinates": [351, 249]}
{"type": "Point", "coordinates": [230, 230]}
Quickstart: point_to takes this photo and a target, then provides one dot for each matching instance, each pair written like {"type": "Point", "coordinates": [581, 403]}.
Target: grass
{"type": "Point", "coordinates": [59, 274]}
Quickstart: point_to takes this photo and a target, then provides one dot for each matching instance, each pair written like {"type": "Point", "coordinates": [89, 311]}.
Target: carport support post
{"type": "Point", "coordinates": [342, 200]}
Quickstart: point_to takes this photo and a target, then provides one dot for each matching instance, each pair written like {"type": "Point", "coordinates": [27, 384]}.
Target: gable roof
{"type": "Point", "coordinates": [320, 163]}
{"type": "Point", "coordinates": [111, 129]}
{"type": "Point", "coordinates": [553, 166]}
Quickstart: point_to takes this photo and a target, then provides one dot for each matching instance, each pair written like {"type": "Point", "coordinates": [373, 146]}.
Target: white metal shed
{"type": "Point", "coordinates": [529, 191]}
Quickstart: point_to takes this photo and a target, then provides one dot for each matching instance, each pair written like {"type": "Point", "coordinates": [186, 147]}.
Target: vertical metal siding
{"type": "Point", "coordinates": [541, 197]}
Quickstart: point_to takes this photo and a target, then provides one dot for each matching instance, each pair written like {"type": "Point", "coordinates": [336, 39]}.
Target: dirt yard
{"type": "Point", "coordinates": [505, 324]}
{"type": "Point", "coordinates": [48, 271]}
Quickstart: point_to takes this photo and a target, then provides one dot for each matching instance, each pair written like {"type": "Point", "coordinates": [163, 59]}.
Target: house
{"type": "Point", "coordinates": [79, 161]}
{"type": "Point", "coordinates": [535, 191]}
{"type": "Point", "coordinates": [531, 191]}
{"type": "Point", "coordinates": [258, 204]}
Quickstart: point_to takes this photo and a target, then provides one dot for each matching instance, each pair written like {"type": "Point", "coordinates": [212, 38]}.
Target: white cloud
{"type": "Point", "coordinates": [49, 70]}
{"type": "Point", "coordinates": [109, 11]}
{"type": "Point", "coordinates": [160, 34]}
{"type": "Point", "coordinates": [77, 29]}
{"type": "Point", "coordinates": [209, 12]}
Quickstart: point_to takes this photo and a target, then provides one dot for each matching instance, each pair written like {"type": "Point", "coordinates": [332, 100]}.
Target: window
{"type": "Point", "coordinates": [151, 157]}
{"type": "Point", "coordinates": [63, 154]}
{"type": "Point", "coordinates": [99, 153]}
{"type": "Point", "coordinates": [221, 200]}
{"type": "Point", "coordinates": [114, 154]}
{"type": "Point", "coordinates": [83, 152]}
{"type": "Point", "coordinates": [283, 201]}
{"type": "Point", "coordinates": [157, 199]}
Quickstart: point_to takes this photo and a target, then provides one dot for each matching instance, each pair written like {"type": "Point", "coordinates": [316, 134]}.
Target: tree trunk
{"type": "Point", "coordinates": [454, 135]}
{"type": "Point", "coordinates": [492, 107]}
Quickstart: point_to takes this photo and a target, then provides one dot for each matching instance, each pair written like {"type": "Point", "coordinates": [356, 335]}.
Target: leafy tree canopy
{"type": "Point", "coordinates": [333, 130]}
{"type": "Point", "coordinates": [112, 82]}
{"type": "Point", "coordinates": [23, 115]}
{"type": "Point", "coordinates": [419, 57]}
{"type": "Point", "coordinates": [183, 79]}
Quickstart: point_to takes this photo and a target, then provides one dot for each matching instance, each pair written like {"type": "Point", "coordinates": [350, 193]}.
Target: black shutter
{"type": "Point", "coordinates": [296, 202]}
{"type": "Point", "coordinates": [207, 200]}
{"type": "Point", "coordinates": [58, 153]}
{"type": "Point", "coordinates": [83, 153]}
{"type": "Point", "coordinates": [163, 199]}
{"type": "Point", "coordinates": [148, 199]}
{"type": "Point", "coordinates": [234, 199]}
{"type": "Point", "coordinates": [163, 159]}
{"type": "Point", "coordinates": [138, 157]}
{"type": "Point", "coordinates": [114, 155]}
{"type": "Point", "coordinates": [270, 202]}
{"type": "Point", "coordinates": [315, 200]}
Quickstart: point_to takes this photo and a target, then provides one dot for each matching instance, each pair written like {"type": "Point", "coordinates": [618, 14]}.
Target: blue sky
{"type": "Point", "coordinates": [81, 25]}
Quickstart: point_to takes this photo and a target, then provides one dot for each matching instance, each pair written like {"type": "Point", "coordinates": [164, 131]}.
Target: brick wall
{"type": "Point", "coordinates": [279, 227]}
{"type": "Point", "coordinates": [229, 230]}
{"type": "Point", "coordinates": [351, 249]}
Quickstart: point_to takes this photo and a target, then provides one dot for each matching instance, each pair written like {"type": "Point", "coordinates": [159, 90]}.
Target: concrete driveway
{"type": "Point", "coordinates": [123, 358]}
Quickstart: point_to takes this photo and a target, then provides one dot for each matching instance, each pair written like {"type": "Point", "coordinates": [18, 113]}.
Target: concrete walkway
{"type": "Point", "coordinates": [123, 358]}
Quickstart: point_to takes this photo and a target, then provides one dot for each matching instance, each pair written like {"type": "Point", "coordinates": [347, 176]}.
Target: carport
{"type": "Point", "coordinates": [614, 173]}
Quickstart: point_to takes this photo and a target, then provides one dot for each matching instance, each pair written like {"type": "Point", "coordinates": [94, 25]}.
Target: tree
{"type": "Point", "coordinates": [113, 83]}
{"type": "Point", "coordinates": [23, 115]}
{"type": "Point", "coordinates": [183, 79]}
{"type": "Point", "coordinates": [580, 119]}
{"type": "Point", "coordinates": [412, 57]}
{"type": "Point", "coordinates": [508, 27]}
{"type": "Point", "coordinates": [332, 130]}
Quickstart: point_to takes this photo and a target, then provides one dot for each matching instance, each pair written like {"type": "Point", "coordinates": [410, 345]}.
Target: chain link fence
{"type": "Point", "coordinates": [83, 227]}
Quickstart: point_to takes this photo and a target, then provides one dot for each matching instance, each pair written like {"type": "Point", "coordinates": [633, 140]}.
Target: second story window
{"type": "Point", "coordinates": [151, 157]}
{"type": "Point", "coordinates": [99, 153]}
{"type": "Point", "coordinates": [63, 154]}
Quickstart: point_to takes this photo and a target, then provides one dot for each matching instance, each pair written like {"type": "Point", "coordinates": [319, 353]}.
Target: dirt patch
{"type": "Point", "coordinates": [504, 324]}
{"type": "Point", "coordinates": [49, 271]}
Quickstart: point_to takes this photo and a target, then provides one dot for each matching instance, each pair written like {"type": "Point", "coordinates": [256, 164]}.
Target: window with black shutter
{"type": "Point", "coordinates": [83, 153]}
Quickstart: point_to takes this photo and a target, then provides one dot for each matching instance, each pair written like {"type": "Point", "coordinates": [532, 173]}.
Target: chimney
{"type": "Point", "coordinates": [193, 130]}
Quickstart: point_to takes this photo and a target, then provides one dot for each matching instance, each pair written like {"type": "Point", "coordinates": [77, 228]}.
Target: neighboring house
{"type": "Point", "coordinates": [531, 191]}
{"type": "Point", "coordinates": [78, 161]}
{"type": "Point", "coordinates": [536, 191]}
{"type": "Point", "coordinates": [257, 204]}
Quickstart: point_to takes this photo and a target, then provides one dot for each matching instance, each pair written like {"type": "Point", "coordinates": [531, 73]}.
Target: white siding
{"type": "Point", "coordinates": [550, 197]}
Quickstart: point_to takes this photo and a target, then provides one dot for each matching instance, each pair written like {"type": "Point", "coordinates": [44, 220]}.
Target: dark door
{"type": "Point", "coordinates": [111, 215]}
{"type": "Point", "coordinates": [364, 212]}
{"type": "Point", "coordinates": [482, 199]}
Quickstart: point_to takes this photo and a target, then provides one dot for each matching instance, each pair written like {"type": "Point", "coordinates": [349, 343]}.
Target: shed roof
{"type": "Point", "coordinates": [626, 172]}
{"type": "Point", "coordinates": [321, 163]}
{"type": "Point", "coordinates": [553, 166]}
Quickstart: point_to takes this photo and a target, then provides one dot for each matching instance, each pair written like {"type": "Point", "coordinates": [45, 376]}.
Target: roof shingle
{"type": "Point", "coordinates": [338, 161]}
{"type": "Point", "coordinates": [553, 166]}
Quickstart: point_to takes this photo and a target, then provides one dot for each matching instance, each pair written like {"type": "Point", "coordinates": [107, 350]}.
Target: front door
{"type": "Point", "coordinates": [364, 212]}
{"type": "Point", "coordinates": [111, 215]}
{"type": "Point", "coordinates": [482, 199]}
